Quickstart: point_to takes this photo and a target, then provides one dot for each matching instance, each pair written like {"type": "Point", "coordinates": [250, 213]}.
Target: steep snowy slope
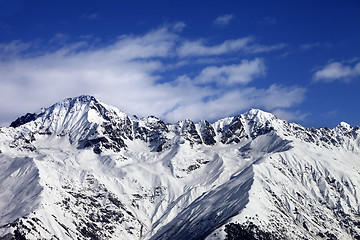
{"type": "Point", "coordinates": [84, 170]}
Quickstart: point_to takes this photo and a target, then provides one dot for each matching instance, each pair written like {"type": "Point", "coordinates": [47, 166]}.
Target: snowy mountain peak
{"type": "Point", "coordinates": [259, 116]}
{"type": "Point", "coordinates": [69, 105]}
{"type": "Point", "coordinates": [84, 99]}
{"type": "Point", "coordinates": [82, 169]}
{"type": "Point", "coordinates": [84, 120]}
{"type": "Point", "coordinates": [344, 127]}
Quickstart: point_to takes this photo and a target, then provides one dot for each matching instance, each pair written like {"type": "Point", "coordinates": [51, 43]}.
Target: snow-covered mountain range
{"type": "Point", "coordinates": [82, 169]}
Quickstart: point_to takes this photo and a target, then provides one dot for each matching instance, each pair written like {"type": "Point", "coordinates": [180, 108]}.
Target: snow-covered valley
{"type": "Point", "coordinates": [82, 169]}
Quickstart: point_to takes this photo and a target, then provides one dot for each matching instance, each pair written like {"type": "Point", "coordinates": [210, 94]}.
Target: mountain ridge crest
{"type": "Point", "coordinates": [82, 169]}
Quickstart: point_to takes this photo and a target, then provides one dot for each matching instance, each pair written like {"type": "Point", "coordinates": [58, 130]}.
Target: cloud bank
{"type": "Point", "coordinates": [141, 75]}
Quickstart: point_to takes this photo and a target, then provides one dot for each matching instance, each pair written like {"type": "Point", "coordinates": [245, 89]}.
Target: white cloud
{"type": "Point", "coordinates": [337, 71]}
{"type": "Point", "coordinates": [223, 20]}
{"type": "Point", "coordinates": [290, 116]}
{"type": "Point", "coordinates": [126, 74]}
{"type": "Point", "coordinates": [247, 45]}
{"type": "Point", "coordinates": [179, 26]}
{"type": "Point", "coordinates": [198, 48]}
{"type": "Point", "coordinates": [120, 74]}
{"type": "Point", "coordinates": [59, 38]}
{"type": "Point", "coordinates": [308, 46]}
{"type": "Point", "coordinates": [285, 54]}
{"type": "Point", "coordinates": [229, 103]}
{"type": "Point", "coordinates": [232, 74]}
{"type": "Point", "coordinates": [12, 48]}
{"type": "Point", "coordinates": [260, 48]}
{"type": "Point", "coordinates": [277, 96]}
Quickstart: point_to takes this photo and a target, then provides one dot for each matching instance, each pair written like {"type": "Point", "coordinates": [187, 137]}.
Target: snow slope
{"type": "Point", "coordinates": [82, 169]}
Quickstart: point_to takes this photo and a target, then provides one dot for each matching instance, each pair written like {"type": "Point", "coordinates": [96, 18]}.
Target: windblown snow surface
{"type": "Point", "coordinates": [84, 170]}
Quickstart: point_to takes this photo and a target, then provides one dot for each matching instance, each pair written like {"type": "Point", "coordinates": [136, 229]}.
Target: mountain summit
{"type": "Point", "coordinates": [82, 169]}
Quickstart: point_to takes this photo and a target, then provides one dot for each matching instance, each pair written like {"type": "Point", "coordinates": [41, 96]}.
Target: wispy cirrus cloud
{"type": "Point", "coordinates": [308, 46]}
{"type": "Point", "coordinates": [290, 116]}
{"type": "Point", "coordinates": [223, 20]}
{"type": "Point", "coordinates": [199, 47]}
{"type": "Point", "coordinates": [12, 48]}
{"type": "Point", "coordinates": [337, 71]}
{"type": "Point", "coordinates": [246, 44]}
{"type": "Point", "coordinates": [127, 73]}
{"type": "Point", "coordinates": [261, 48]}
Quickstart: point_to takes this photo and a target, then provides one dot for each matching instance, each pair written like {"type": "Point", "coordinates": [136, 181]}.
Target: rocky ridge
{"type": "Point", "coordinates": [91, 123]}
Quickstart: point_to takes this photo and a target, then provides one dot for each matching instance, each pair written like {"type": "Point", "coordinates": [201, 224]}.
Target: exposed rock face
{"type": "Point", "coordinates": [207, 133]}
{"type": "Point", "coordinates": [81, 169]}
{"type": "Point", "coordinates": [24, 119]}
{"type": "Point", "coordinates": [234, 131]}
{"type": "Point", "coordinates": [188, 132]}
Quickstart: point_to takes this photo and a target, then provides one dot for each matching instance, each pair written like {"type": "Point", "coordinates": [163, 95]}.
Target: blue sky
{"type": "Point", "coordinates": [184, 59]}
